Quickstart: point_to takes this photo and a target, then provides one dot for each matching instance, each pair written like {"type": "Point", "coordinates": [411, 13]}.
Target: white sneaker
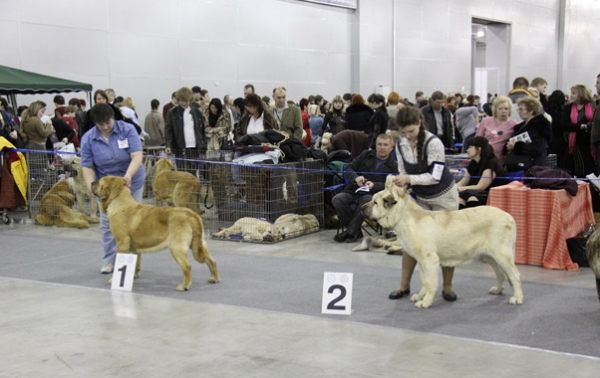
{"type": "Point", "coordinates": [107, 268]}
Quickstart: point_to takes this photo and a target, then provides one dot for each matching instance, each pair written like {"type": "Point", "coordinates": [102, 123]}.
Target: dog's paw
{"type": "Point", "coordinates": [416, 297]}
{"type": "Point", "coordinates": [110, 281]}
{"type": "Point", "coordinates": [495, 291]}
{"type": "Point", "coordinates": [212, 280]}
{"type": "Point", "coordinates": [180, 287]}
{"type": "Point", "coordinates": [422, 304]}
{"type": "Point", "coordinates": [515, 301]}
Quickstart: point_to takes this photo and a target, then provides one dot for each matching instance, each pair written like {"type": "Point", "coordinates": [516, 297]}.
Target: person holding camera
{"type": "Point", "coordinates": [577, 120]}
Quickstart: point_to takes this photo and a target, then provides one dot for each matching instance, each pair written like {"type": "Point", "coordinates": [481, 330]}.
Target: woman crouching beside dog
{"type": "Point", "coordinates": [483, 172]}
{"type": "Point", "coordinates": [421, 163]}
{"type": "Point", "coordinates": [111, 148]}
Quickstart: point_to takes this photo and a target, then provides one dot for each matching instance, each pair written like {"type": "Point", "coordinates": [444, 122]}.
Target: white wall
{"type": "Point", "coordinates": [148, 48]}
{"type": "Point", "coordinates": [582, 38]}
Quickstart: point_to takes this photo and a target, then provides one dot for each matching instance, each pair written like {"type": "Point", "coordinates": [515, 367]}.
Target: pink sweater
{"type": "Point", "coordinates": [497, 134]}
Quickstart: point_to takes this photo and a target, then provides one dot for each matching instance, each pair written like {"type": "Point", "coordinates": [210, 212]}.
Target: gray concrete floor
{"type": "Point", "coordinates": [51, 330]}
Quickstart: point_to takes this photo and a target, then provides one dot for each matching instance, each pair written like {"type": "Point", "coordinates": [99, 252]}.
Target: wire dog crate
{"type": "Point", "coordinates": [266, 193]}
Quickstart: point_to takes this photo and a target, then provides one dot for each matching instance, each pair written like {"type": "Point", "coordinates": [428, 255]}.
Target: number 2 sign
{"type": "Point", "coordinates": [337, 293]}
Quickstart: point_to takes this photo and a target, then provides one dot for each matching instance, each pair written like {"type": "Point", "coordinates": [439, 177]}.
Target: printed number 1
{"type": "Point", "coordinates": [331, 305]}
{"type": "Point", "coordinates": [123, 270]}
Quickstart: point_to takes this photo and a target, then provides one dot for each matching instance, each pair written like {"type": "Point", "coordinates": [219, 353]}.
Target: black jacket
{"type": "Point", "coordinates": [366, 162]}
{"type": "Point", "coordinates": [377, 124]}
{"type": "Point", "coordinates": [88, 123]}
{"type": "Point", "coordinates": [174, 135]}
{"type": "Point", "coordinates": [540, 132]}
{"type": "Point", "coordinates": [63, 130]}
{"type": "Point", "coordinates": [448, 137]}
{"type": "Point", "coordinates": [358, 117]}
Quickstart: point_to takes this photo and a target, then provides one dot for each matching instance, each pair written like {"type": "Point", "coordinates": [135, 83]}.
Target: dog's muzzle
{"type": "Point", "coordinates": [367, 210]}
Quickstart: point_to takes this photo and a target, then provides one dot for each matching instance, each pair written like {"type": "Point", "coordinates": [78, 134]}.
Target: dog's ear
{"type": "Point", "coordinates": [401, 192]}
{"type": "Point", "coordinates": [389, 183]}
{"type": "Point", "coordinates": [389, 201]}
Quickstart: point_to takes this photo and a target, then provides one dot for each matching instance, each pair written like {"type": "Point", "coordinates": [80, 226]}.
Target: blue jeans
{"type": "Point", "coordinates": [108, 240]}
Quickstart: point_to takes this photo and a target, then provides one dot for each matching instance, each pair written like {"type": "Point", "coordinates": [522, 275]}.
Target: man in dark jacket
{"type": "Point", "coordinates": [438, 119]}
{"type": "Point", "coordinates": [366, 176]}
{"type": "Point", "coordinates": [184, 129]}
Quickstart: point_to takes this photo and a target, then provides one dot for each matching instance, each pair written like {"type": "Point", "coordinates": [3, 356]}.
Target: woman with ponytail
{"type": "Point", "coordinates": [421, 163]}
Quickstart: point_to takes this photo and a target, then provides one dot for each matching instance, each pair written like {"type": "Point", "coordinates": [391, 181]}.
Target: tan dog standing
{"type": "Point", "coordinates": [139, 228]}
{"type": "Point", "coordinates": [181, 189]}
{"type": "Point", "coordinates": [449, 238]}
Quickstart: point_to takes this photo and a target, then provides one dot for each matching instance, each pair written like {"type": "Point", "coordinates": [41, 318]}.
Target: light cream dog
{"type": "Point", "coordinates": [252, 229]}
{"type": "Point", "coordinates": [449, 238]}
{"type": "Point", "coordinates": [74, 166]}
{"type": "Point", "coordinates": [181, 189]}
{"type": "Point", "coordinates": [139, 228]}
{"type": "Point", "coordinates": [290, 225]}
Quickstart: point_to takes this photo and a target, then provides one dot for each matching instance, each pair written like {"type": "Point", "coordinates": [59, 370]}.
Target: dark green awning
{"type": "Point", "coordinates": [15, 81]}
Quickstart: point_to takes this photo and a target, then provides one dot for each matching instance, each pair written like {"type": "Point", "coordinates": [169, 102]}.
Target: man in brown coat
{"type": "Point", "coordinates": [287, 116]}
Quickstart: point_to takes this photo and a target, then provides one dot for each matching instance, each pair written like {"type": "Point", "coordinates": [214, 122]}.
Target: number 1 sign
{"type": "Point", "coordinates": [123, 273]}
{"type": "Point", "coordinates": [337, 293]}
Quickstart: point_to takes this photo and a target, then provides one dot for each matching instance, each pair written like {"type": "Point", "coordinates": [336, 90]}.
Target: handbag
{"type": "Point", "coordinates": [226, 143]}
{"type": "Point", "coordinates": [514, 162]}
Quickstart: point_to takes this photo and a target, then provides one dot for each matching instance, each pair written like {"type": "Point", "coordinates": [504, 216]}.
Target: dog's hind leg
{"type": "Point", "coordinates": [506, 261]}
{"type": "Point", "coordinates": [500, 276]}
{"type": "Point", "coordinates": [202, 255]}
{"type": "Point", "coordinates": [179, 252]}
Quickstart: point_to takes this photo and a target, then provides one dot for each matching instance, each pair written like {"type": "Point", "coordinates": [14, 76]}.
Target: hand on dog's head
{"type": "Point", "coordinates": [393, 188]}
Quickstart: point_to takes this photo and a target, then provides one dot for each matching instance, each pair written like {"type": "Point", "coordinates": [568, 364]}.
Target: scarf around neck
{"type": "Point", "coordinates": [589, 114]}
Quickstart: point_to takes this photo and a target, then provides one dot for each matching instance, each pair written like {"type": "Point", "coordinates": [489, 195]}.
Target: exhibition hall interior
{"type": "Point", "coordinates": [240, 127]}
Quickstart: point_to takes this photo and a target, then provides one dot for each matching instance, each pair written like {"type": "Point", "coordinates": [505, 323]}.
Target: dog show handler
{"type": "Point", "coordinates": [111, 148]}
{"type": "Point", "coordinates": [421, 163]}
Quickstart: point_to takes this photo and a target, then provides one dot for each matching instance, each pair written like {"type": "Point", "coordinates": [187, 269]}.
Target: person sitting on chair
{"type": "Point", "coordinates": [365, 176]}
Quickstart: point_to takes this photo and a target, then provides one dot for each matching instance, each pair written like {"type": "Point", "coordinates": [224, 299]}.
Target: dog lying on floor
{"type": "Point", "coordinates": [181, 189]}
{"type": "Point", "coordinates": [81, 192]}
{"type": "Point", "coordinates": [592, 251]}
{"type": "Point", "coordinates": [369, 243]}
{"type": "Point", "coordinates": [289, 225]}
{"type": "Point", "coordinates": [139, 228]}
{"type": "Point", "coordinates": [251, 229]}
{"type": "Point", "coordinates": [449, 238]}
{"type": "Point", "coordinates": [56, 209]}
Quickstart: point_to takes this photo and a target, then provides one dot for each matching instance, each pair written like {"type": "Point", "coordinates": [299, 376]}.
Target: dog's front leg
{"type": "Point", "coordinates": [429, 279]}
{"type": "Point", "coordinates": [138, 264]}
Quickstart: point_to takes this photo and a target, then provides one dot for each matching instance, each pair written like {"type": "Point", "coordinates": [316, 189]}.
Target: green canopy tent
{"type": "Point", "coordinates": [14, 81]}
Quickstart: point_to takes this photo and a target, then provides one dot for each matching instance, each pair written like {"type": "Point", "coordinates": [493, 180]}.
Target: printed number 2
{"type": "Point", "coordinates": [331, 305]}
{"type": "Point", "coordinates": [123, 270]}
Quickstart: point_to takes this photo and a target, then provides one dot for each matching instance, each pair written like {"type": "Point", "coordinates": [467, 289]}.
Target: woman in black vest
{"type": "Point", "coordinates": [421, 163]}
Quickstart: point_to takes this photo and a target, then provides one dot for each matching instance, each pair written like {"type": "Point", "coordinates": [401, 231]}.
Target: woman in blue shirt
{"type": "Point", "coordinates": [111, 148]}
